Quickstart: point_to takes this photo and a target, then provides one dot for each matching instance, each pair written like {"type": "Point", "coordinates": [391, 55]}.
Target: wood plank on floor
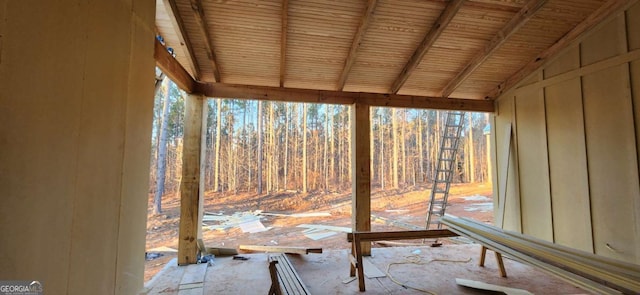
{"type": "Point", "coordinates": [370, 270]}
{"type": "Point", "coordinates": [192, 282]}
{"type": "Point", "coordinates": [168, 280]}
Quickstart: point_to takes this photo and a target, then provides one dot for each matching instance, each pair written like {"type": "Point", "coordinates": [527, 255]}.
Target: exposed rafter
{"type": "Point", "coordinates": [283, 41]}
{"type": "Point", "coordinates": [357, 40]}
{"type": "Point", "coordinates": [174, 70]}
{"type": "Point", "coordinates": [438, 27]}
{"type": "Point", "coordinates": [220, 90]}
{"type": "Point", "coordinates": [178, 25]}
{"type": "Point", "coordinates": [609, 8]}
{"type": "Point", "coordinates": [521, 18]}
{"type": "Point", "coordinates": [198, 14]}
{"type": "Point", "coordinates": [170, 67]}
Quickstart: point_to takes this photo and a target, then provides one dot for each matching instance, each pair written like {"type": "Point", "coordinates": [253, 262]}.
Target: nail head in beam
{"type": "Point", "coordinates": [172, 68]}
{"type": "Point", "coordinates": [357, 40]}
{"type": "Point", "coordinates": [221, 90]}
{"type": "Point", "coordinates": [436, 30]}
{"type": "Point", "coordinates": [519, 20]}
{"type": "Point", "coordinates": [607, 9]}
{"type": "Point", "coordinates": [198, 13]}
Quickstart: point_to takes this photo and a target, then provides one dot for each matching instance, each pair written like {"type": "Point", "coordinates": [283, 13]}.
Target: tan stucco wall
{"type": "Point", "coordinates": [76, 101]}
{"type": "Point", "coordinates": [573, 177]}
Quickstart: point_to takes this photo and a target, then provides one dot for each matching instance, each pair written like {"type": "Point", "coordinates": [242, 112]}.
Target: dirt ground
{"type": "Point", "coordinates": [402, 205]}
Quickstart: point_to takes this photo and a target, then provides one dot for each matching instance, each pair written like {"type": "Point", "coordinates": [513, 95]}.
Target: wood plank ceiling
{"type": "Point", "coordinates": [433, 48]}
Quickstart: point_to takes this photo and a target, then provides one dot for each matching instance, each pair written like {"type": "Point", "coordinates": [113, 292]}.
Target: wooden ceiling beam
{"type": "Point", "coordinates": [198, 13]}
{"type": "Point", "coordinates": [173, 69]}
{"type": "Point", "coordinates": [436, 30]}
{"type": "Point", "coordinates": [357, 40]}
{"type": "Point", "coordinates": [178, 25]}
{"type": "Point", "coordinates": [607, 9]}
{"type": "Point", "coordinates": [521, 18]}
{"type": "Point", "coordinates": [283, 41]}
{"type": "Point", "coordinates": [220, 90]}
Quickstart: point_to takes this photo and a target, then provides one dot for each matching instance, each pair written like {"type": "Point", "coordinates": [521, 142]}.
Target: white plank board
{"type": "Point", "coordinates": [370, 270]}
{"type": "Point", "coordinates": [490, 287]}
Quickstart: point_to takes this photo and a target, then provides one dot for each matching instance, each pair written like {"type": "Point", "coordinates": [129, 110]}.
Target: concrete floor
{"type": "Point", "coordinates": [325, 273]}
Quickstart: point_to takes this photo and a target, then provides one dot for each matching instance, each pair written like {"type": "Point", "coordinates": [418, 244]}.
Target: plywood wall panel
{"type": "Point", "coordinates": [135, 175]}
{"type": "Point", "coordinates": [512, 202]}
{"type": "Point", "coordinates": [36, 170]}
{"type": "Point", "coordinates": [607, 41]}
{"type": "Point", "coordinates": [633, 26]}
{"type": "Point", "coordinates": [101, 140]}
{"type": "Point", "coordinates": [568, 165]}
{"type": "Point", "coordinates": [592, 134]}
{"type": "Point", "coordinates": [533, 167]}
{"type": "Point", "coordinates": [612, 158]}
{"type": "Point", "coordinates": [635, 86]}
{"type": "Point", "coordinates": [569, 60]}
{"type": "Point", "coordinates": [67, 77]}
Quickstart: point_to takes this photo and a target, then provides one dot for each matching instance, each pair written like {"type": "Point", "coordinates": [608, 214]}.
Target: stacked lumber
{"type": "Point", "coordinates": [594, 273]}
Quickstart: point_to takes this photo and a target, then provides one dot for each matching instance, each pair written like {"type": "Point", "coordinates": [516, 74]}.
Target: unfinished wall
{"type": "Point", "coordinates": [76, 101]}
{"type": "Point", "coordinates": [573, 178]}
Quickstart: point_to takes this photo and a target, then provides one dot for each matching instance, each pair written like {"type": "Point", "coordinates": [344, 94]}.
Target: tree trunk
{"type": "Point", "coordinates": [403, 146]}
{"type": "Point", "coordinates": [349, 149]}
{"type": "Point", "coordinates": [332, 146]}
{"type": "Point", "coordinates": [259, 154]}
{"type": "Point", "coordinates": [420, 147]}
{"type": "Point", "coordinates": [396, 148]}
{"type": "Point", "coordinates": [230, 154]}
{"type": "Point", "coordinates": [162, 151]}
{"type": "Point", "coordinates": [472, 164]}
{"type": "Point", "coordinates": [216, 169]}
{"type": "Point", "coordinates": [326, 148]}
{"type": "Point", "coordinates": [304, 148]}
{"type": "Point", "coordinates": [381, 139]}
{"type": "Point", "coordinates": [286, 144]}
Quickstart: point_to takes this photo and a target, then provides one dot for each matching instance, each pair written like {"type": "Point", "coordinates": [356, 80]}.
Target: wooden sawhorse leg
{"type": "Point", "coordinates": [357, 268]}
{"type": "Point", "coordinates": [483, 254]}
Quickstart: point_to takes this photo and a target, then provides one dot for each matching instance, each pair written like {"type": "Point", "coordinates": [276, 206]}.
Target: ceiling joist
{"type": "Point", "coordinates": [170, 66]}
{"type": "Point", "coordinates": [220, 90]}
{"type": "Point", "coordinates": [521, 18]}
{"type": "Point", "coordinates": [357, 40]}
{"type": "Point", "coordinates": [436, 30]}
{"type": "Point", "coordinates": [283, 41]}
{"type": "Point", "coordinates": [178, 25]}
{"type": "Point", "coordinates": [198, 14]}
{"type": "Point", "coordinates": [607, 9]}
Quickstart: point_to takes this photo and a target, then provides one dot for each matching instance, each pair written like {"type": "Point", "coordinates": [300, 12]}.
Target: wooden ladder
{"type": "Point", "coordinates": [445, 169]}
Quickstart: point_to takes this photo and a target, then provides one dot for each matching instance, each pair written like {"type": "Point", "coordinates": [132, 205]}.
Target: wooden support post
{"type": "Point", "coordinates": [361, 171]}
{"type": "Point", "coordinates": [190, 184]}
{"type": "Point", "coordinates": [203, 165]}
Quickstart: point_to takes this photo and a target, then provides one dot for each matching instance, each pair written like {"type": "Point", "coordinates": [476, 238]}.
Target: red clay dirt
{"type": "Point", "coordinates": [403, 205]}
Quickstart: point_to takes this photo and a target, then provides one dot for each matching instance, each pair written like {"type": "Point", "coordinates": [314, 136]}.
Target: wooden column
{"type": "Point", "coordinates": [361, 175]}
{"type": "Point", "coordinates": [190, 185]}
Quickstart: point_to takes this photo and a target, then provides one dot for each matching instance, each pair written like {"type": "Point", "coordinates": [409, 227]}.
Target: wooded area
{"type": "Point", "coordinates": [262, 146]}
